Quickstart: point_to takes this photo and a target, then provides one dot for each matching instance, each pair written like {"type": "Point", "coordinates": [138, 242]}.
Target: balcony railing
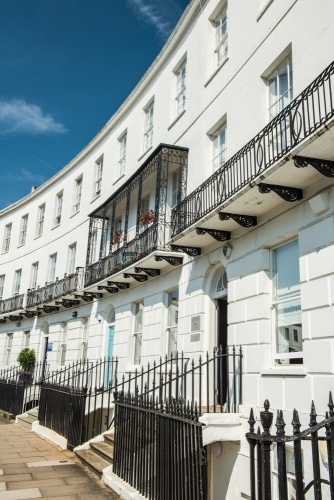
{"type": "Point", "coordinates": [301, 118]}
{"type": "Point", "coordinates": [12, 304]}
{"type": "Point", "coordinates": [57, 289]}
{"type": "Point", "coordinates": [131, 252]}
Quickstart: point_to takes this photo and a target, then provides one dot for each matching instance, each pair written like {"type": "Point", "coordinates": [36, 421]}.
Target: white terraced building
{"type": "Point", "coordinates": [201, 215]}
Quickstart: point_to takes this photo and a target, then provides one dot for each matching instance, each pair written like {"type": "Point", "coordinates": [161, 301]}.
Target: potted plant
{"type": "Point", "coordinates": [147, 217]}
{"type": "Point", "coordinates": [27, 359]}
{"type": "Point", "coordinates": [117, 237]}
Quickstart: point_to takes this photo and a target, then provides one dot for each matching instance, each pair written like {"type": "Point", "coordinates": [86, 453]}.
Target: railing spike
{"type": "Point", "coordinates": [313, 415]}
{"type": "Point", "coordinates": [280, 424]}
{"type": "Point", "coordinates": [295, 422]}
{"type": "Point", "coordinates": [251, 421]}
{"type": "Point", "coordinates": [331, 405]}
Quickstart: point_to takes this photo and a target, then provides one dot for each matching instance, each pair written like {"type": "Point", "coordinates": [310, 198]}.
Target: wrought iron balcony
{"type": "Point", "coordinates": [68, 285]}
{"type": "Point", "coordinates": [12, 304]}
{"type": "Point", "coordinates": [124, 230]}
{"type": "Point", "coordinates": [133, 251]}
{"type": "Point", "coordinates": [305, 115]}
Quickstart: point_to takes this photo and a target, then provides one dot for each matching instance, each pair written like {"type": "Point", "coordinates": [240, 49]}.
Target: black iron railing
{"type": "Point", "coordinates": [268, 456]}
{"type": "Point", "coordinates": [145, 243]}
{"type": "Point", "coordinates": [158, 448]}
{"type": "Point", "coordinates": [57, 289]}
{"type": "Point", "coordinates": [212, 384]}
{"type": "Point", "coordinates": [20, 390]}
{"type": "Point", "coordinates": [12, 304]}
{"type": "Point", "coordinates": [301, 118]}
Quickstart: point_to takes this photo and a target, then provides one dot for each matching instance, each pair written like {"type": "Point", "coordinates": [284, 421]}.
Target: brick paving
{"type": "Point", "coordinates": [32, 467]}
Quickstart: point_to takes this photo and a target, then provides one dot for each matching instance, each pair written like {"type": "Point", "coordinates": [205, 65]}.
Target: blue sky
{"type": "Point", "coordinates": [65, 68]}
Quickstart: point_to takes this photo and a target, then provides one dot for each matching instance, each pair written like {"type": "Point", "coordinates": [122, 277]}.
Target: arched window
{"type": "Point", "coordinates": [222, 283]}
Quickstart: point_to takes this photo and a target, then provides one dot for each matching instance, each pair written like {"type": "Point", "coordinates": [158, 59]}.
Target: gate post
{"type": "Point", "coordinates": [266, 417]}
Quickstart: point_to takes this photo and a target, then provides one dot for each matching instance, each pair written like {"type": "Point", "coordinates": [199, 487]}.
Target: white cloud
{"type": "Point", "coordinates": [151, 15]}
{"type": "Point", "coordinates": [17, 116]}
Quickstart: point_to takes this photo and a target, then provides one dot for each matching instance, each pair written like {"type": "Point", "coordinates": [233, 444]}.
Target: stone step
{"type": "Point", "coordinates": [109, 437]}
{"type": "Point", "coordinates": [26, 420]}
{"type": "Point", "coordinates": [33, 412]}
{"type": "Point", "coordinates": [91, 461]}
{"type": "Point", "coordinates": [104, 450]}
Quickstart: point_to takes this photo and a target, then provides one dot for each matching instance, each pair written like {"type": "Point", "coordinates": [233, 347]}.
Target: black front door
{"type": "Point", "coordinates": [222, 362]}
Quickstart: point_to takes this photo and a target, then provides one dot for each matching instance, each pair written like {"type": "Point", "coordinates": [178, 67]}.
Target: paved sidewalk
{"type": "Point", "coordinates": [32, 467]}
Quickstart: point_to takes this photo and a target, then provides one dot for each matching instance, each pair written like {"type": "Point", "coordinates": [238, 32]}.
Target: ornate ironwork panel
{"type": "Point", "coordinates": [242, 220]}
{"type": "Point", "coordinates": [325, 167]}
{"type": "Point", "coordinates": [150, 272]}
{"type": "Point", "coordinates": [215, 233]}
{"type": "Point", "coordinates": [108, 289]}
{"type": "Point", "coordinates": [286, 193]}
{"type": "Point", "coordinates": [119, 284]}
{"type": "Point", "coordinates": [173, 261]}
{"type": "Point", "coordinates": [192, 251]}
{"type": "Point", "coordinates": [141, 278]}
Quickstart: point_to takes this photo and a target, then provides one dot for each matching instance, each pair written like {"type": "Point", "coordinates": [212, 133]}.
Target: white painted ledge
{"type": "Point", "coordinates": [50, 435]}
{"type": "Point", "coordinates": [123, 489]}
{"type": "Point", "coordinates": [221, 427]}
{"type": "Point", "coordinates": [285, 371]}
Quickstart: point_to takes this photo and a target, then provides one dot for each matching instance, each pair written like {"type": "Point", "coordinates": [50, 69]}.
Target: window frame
{"type": "Point", "coordinates": [23, 229]}
{"type": "Point", "coordinates": [98, 177]}
{"type": "Point", "coordinates": [221, 38]}
{"type": "Point", "coordinates": [137, 336]}
{"type": "Point", "coordinates": [58, 208]}
{"type": "Point", "coordinates": [8, 348]}
{"type": "Point", "coordinates": [180, 87]}
{"type": "Point", "coordinates": [17, 281]}
{"type": "Point", "coordinates": [172, 323]}
{"type": "Point", "coordinates": [71, 256]}
{"type": "Point", "coordinates": [122, 143]}
{"type": "Point", "coordinates": [52, 268]}
{"type": "Point", "coordinates": [148, 126]}
{"type": "Point", "coordinates": [2, 284]}
{"type": "Point", "coordinates": [219, 154]}
{"type": "Point", "coordinates": [40, 220]}
{"type": "Point", "coordinates": [7, 237]}
{"type": "Point", "coordinates": [274, 76]}
{"type": "Point", "coordinates": [77, 194]}
{"type": "Point", "coordinates": [278, 301]}
{"type": "Point", "coordinates": [34, 275]}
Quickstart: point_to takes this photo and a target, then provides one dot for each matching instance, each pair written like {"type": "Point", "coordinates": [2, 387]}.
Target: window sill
{"type": "Point", "coordinates": [118, 179]}
{"type": "Point", "coordinates": [54, 227]}
{"type": "Point", "coordinates": [264, 9]}
{"type": "Point", "coordinates": [96, 197]}
{"type": "Point", "coordinates": [215, 72]}
{"type": "Point", "coordinates": [147, 150]}
{"type": "Point", "coordinates": [287, 371]}
{"type": "Point", "coordinates": [75, 213]}
{"type": "Point", "coordinates": [38, 236]}
{"type": "Point", "coordinates": [176, 119]}
{"type": "Point", "coordinates": [22, 245]}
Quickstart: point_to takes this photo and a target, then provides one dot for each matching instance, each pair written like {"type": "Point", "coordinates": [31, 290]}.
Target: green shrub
{"type": "Point", "coordinates": [27, 358]}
